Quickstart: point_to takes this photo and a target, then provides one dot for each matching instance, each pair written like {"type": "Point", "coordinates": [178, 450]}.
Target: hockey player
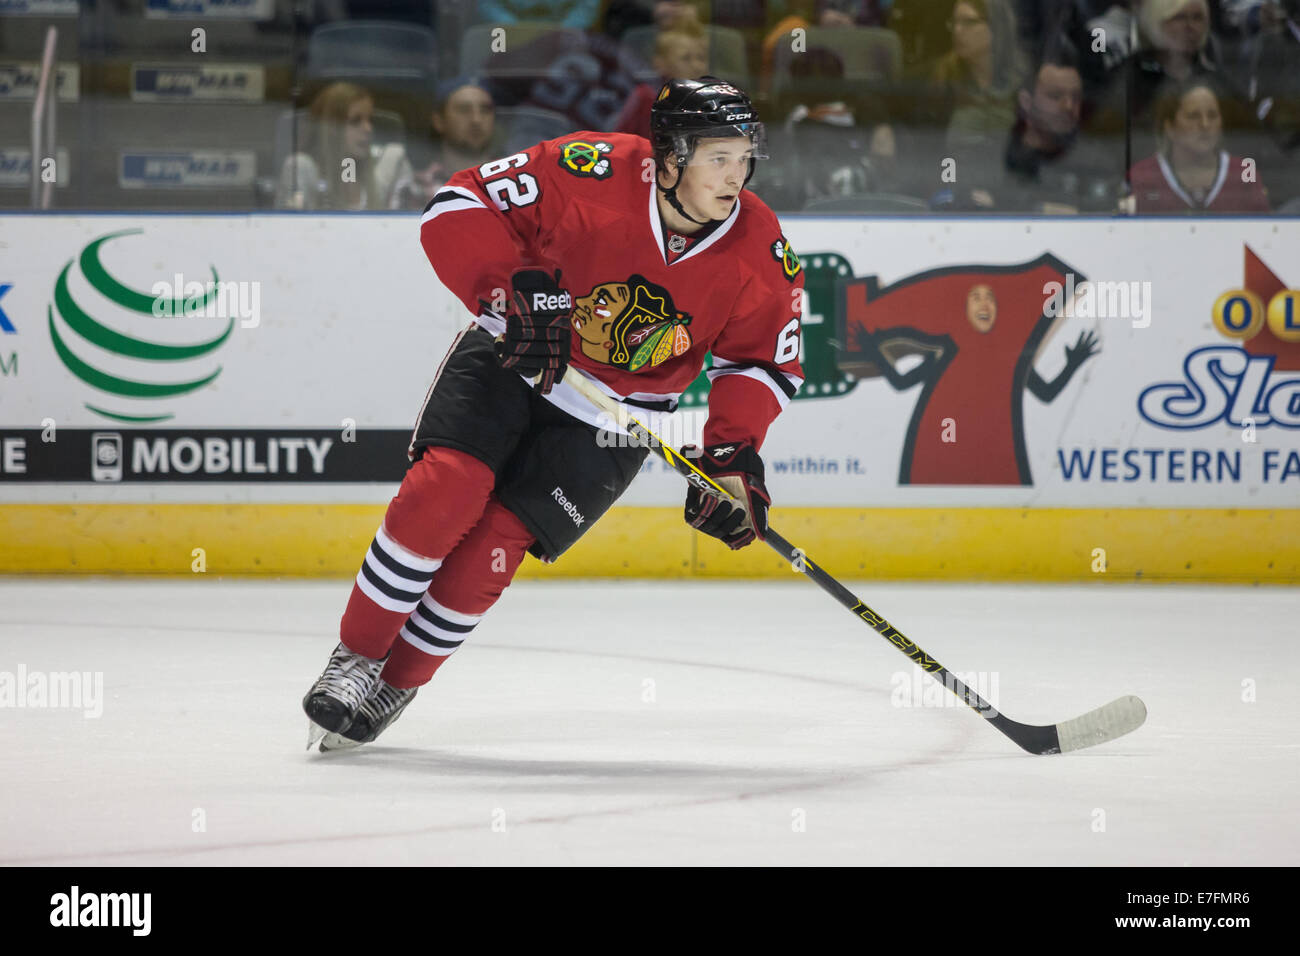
{"type": "Point", "coordinates": [627, 261]}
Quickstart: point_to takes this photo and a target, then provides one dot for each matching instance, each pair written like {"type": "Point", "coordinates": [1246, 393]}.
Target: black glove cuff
{"type": "Point", "coordinates": [731, 458]}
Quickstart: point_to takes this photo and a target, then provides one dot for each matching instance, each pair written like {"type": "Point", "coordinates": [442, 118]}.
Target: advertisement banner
{"type": "Point", "coordinates": [16, 167]}
{"type": "Point", "coordinates": [20, 81]}
{"type": "Point", "coordinates": [189, 169]}
{"type": "Point", "coordinates": [39, 8]}
{"type": "Point", "coordinates": [999, 363]}
{"type": "Point", "coordinates": [208, 83]}
{"type": "Point", "coordinates": [214, 9]}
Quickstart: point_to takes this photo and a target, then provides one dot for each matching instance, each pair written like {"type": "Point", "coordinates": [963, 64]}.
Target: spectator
{"type": "Point", "coordinates": [1178, 36]}
{"type": "Point", "coordinates": [463, 122]}
{"type": "Point", "coordinates": [1176, 44]}
{"type": "Point", "coordinates": [833, 149]}
{"type": "Point", "coordinates": [1191, 171]}
{"type": "Point", "coordinates": [832, 14]}
{"type": "Point", "coordinates": [1273, 78]}
{"type": "Point", "coordinates": [343, 168]}
{"type": "Point", "coordinates": [887, 151]}
{"type": "Point", "coordinates": [828, 155]}
{"type": "Point", "coordinates": [978, 78]}
{"type": "Point", "coordinates": [681, 53]}
{"type": "Point", "coordinates": [1048, 168]}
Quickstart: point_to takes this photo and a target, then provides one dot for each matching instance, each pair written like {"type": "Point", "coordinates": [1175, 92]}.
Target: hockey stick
{"type": "Point", "coordinates": [1115, 719]}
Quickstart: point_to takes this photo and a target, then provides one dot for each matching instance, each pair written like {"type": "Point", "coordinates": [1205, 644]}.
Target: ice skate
{"type": "Point", "coordinates": [384, 705]}
{"type": "Point", "coordinates": [337, 696]}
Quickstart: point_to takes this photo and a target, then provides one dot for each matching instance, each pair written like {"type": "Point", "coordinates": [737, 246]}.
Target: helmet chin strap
{"type": "Point", "coordinates": [671, 195]}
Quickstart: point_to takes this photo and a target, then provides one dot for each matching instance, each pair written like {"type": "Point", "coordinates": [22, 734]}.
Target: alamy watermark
{"type": "Point", "coordinates": [1099, 300]}
{"type": "Point", "coordinates": [684, 427]}
{"type": "Point", "coordinates": [208, 300]}
{"type": "Point", "coordinates": [916, 688]}
{"type": "Point", "coordinates": [66, 690]}
{"type": "Point", "coordinates": [75, 909]}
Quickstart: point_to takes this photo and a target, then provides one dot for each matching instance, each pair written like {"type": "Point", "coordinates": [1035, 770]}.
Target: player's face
{"type": "Point", "coordinates": [981, 308]}
{"type": "Point", "coordinates": [594, 314]}
{"type": "Point", "coordinates": [1198, 125]}
{"type": "Point", "coordinates": [357, 133]}
{"type": "Point", "coordinates": [712, 181]}
{"type": "Point", "coordinates": [467, 119]}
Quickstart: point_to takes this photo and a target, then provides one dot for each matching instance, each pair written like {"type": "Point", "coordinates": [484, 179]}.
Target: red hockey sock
{"type": "Point", "coordinates": [469, 582]}
{"type": "Point", "coordinates": [441, 498]}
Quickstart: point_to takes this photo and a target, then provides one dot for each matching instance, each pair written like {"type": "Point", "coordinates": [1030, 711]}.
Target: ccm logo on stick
{"type": "Point", "coordinates": [549, 303]}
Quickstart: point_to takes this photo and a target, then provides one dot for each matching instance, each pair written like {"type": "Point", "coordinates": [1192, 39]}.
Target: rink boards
{"type": "Point", "coordinates": [233, 395]}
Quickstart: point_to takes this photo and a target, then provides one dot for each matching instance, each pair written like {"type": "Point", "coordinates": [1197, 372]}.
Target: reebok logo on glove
{"type": "Point", "coordinates": [537, 339]}
{"type": "Point", "coordinates": [552, 303]}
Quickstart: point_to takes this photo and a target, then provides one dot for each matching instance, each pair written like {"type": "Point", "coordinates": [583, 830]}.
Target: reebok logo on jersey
{"type": "Point", "coordinates": [570, 508]}
{"type": "Point", "coordinates": [724, 450]}
{"type": "Point", "coordinates": [542, 302]}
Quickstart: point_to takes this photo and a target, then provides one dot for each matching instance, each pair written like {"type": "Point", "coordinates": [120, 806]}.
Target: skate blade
{"type": "Point", "coordinates": [314, 733]}
{"type": "Point", "coordinates": [332, 742]}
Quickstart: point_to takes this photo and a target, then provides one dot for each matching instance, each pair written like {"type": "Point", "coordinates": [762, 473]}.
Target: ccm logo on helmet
{"type": "Point", "coordinates": [551, 303]}
{"type": "Point", "coordinates": [738, 116]}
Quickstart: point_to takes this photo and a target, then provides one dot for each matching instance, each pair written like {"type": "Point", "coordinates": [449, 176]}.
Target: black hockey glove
{"type": "Point", "coordinates": [737, 468]}
{"type": "Point", "coordinates": [537, 328]}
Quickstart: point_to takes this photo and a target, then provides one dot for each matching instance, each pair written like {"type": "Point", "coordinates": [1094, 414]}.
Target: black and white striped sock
{"type": "Point", "coordinates": [393, 577]}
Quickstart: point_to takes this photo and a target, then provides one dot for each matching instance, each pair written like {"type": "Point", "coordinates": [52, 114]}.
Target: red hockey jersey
{"type": "Point", "coordinates": [648, 304]}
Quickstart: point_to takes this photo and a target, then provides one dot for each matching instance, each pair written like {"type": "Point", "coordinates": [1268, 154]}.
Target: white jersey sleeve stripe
{"type": "Point", "coordinates": [783, 391]}
{"type": "Point", "coordinates": [451, 199]}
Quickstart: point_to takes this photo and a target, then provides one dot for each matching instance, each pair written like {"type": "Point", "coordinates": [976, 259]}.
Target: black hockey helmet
{"type": "Point", "coordinates": [688, 110]}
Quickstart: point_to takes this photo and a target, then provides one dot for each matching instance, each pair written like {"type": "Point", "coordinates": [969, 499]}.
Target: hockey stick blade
{"type": "Point", "coordinates": [1121, 716]}
{"type": "Point", "coordinates": [1115, 719]}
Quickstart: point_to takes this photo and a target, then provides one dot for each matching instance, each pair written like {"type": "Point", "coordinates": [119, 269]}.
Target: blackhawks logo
{"type": "Point", "coordinates": [631, 325]}
{"type": "Point", "coordinates": [790, 264]}
{"type": "Point", "coordinates": [589, 160]}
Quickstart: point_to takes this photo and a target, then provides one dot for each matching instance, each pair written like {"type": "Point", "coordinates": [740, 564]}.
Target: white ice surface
{"type": "Point", "coordinates": [657, 723]}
